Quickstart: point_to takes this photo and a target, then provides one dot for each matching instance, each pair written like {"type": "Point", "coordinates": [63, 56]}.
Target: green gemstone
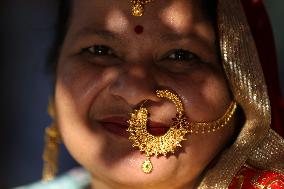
{"type": "Point", "coordinates": [147, 166]}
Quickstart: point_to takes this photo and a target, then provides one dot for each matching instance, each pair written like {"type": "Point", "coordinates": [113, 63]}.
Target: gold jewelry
{"type": "Point", "coordinates": [157, 145]}
{"type": "Point", "coordinates": [51, 149]}
{"type": "Point", "coordinates": [138, 6]}
{"type": "Point", "coordinates": [212, 126]}
{"type": "Point", "coordinates": [167, 143]}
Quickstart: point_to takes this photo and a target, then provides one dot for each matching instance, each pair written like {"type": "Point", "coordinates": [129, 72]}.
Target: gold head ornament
{"type": "Point", "coordinates": [138, 6]}
{"type": "Point", "coordinates": [171, 140]}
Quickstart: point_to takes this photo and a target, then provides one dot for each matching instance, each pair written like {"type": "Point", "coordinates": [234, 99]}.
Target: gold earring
{"type": "Point", "coordinates": [168, 143]}
{"type": "Point", "coordinates": [138, 6]}
{"type": "Point", "coordinates": [51, 148]}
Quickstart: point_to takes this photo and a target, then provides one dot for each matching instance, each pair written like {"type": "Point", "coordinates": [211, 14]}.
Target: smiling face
{"type": "Point", "coordinates": [106, 69]}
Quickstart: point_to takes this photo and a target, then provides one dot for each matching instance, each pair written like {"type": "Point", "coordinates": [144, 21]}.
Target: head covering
{"type": "Point", "coordinates": [256, 145]}
{"type": "Point", "coordinates": [261, 30]}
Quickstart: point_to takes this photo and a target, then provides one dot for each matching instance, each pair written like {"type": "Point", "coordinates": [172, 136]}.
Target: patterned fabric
{"type": "Point", "coordinates": [75, 179]}
{"type": "Point", "coordinates": [256, 144]}
{"type": "Point", "coordinates": [251, 178]}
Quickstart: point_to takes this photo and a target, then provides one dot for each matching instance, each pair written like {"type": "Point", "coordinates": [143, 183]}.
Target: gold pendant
{"type": "Point", "coordinates": [147, 166]}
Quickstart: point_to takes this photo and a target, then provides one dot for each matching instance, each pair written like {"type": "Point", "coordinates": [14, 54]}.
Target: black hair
{"type": "Point", "coordinates": [61, 27]}
{"type": "Point", "coordinates": [210, 7]}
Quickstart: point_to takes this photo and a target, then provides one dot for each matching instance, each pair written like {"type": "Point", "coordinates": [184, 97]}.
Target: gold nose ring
{"type": "Point", "coordinates": [168, 143]}
{"type": "Point", "coordinates": [157, 145]}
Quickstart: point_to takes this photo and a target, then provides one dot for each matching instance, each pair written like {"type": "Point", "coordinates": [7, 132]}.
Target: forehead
{"type": "Point", "coordinates": [115, 15]}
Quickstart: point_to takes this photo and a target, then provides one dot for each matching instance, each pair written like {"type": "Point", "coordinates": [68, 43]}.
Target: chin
{"type": "Point", "coordinates": [127, 172]}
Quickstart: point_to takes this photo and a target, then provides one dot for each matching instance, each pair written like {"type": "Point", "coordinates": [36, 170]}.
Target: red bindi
{"type": "Point", "coordinates": [138, 29]}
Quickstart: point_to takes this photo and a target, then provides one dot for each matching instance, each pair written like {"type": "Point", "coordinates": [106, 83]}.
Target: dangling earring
{"type": "Point", "coordinates": [168, 143]}
{"type": "Point", "coordinates": [51, 148]}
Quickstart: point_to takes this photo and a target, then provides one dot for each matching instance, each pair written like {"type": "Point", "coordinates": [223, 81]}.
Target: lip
{"type": "Point", "coordinates": [157, 128]}
{"type": "Point", "coordinates": [118, 125]}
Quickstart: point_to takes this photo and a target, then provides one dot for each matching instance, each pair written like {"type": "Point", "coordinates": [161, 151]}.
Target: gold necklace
{"type": "Point", "coordinates": [168, 143]}
{"type": "Point", "coordinates": [138, 6]}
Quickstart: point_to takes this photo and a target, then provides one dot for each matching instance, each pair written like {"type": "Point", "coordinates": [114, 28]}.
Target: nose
{"type": "Point", "coordinates": [135, 85]}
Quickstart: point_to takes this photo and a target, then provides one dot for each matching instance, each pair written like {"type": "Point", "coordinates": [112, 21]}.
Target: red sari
{"type": "Point", "coordinates": [250, 178]}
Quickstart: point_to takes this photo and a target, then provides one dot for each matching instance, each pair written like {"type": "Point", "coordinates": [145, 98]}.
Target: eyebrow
{"type": "Point", "coordinates": [171, 36]}
{"type": "Point", "coordinates": [174, 37]}
{"type": "Point", "coordinates": [91, 31]}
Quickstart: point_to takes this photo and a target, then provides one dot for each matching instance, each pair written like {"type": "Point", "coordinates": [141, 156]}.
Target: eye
{"type": "Point", "coordinates": [180, 61]}
{"type": "Point", "coordinates": [99, 50]}
{"type": "Point", "coordinates": [181, 55]}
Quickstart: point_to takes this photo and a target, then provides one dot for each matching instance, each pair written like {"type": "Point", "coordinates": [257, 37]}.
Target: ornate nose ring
{"type": "Point", "coordinates": [157, 145]}
{"type": "Point", "coordinates": [168, 143]}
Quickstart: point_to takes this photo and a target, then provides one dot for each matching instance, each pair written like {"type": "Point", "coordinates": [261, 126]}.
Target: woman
{"type": "Point", "coordinates": [119, 57]}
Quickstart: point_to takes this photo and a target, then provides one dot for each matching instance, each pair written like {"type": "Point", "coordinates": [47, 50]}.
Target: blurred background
{"type": "Point", "coordinates": [26, 35]}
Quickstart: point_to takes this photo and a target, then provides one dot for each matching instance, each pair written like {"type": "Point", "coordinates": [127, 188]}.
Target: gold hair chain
{"type": "Point", "coordinates": [138, 6]}
{"type": "Point", "coordinates": [168, 143]}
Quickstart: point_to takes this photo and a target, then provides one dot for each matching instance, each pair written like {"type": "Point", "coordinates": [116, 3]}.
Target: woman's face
{"type": "Point", "coordinates": [106, 69]}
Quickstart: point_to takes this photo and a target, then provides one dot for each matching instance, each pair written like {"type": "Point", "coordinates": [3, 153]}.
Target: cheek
{"type": "Point", "coordinates": [82, 81]}
{"type": "Point", "coordinates": [201, 149]}
{"type": "Point", "coordinates": [78, 78]}
{"type": "Point", "coordinates": [207, 99]}
{"type": "Point", "coordinates": [77, 85]}
{"type": "Point", "coordinates": [206, 95]}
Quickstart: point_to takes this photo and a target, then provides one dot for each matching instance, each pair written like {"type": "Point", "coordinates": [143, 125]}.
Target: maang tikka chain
{"type": "Point", "coordinates": [138, 6]}
{"type": "Point", "coordinates": [168, 143]}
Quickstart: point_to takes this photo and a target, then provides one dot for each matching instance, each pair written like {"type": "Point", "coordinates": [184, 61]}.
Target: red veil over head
{"type": "Point", "coordinates": [263, 36]}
